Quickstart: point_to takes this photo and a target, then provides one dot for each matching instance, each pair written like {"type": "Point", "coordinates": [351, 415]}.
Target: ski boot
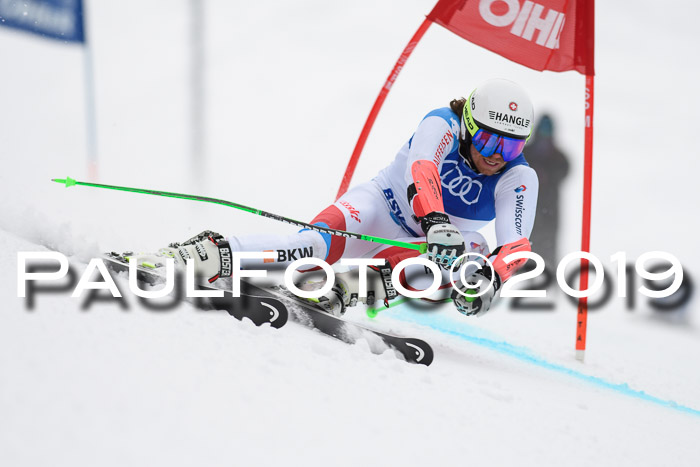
{"type": "Point", "coordinates": [345, 290]}
{"type": "Point", "coordinates": [210, 252]}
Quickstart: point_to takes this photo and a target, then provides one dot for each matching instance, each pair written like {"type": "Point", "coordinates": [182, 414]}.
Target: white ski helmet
{"type": "Point", "coordinates": [497, 119]}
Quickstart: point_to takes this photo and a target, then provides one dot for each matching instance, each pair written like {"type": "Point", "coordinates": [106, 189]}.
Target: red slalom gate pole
{"type": "Point", "coordinates": [350, 170]}
{"type": "Point", "coordinates": [582, 315]}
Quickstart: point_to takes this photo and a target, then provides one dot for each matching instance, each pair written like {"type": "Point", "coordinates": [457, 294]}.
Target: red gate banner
{"type": "Point", "coordinates": [555, 35]}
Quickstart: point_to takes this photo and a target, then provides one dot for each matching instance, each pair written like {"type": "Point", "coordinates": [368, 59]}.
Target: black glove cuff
{"type": "Point", "coordinates": [432, 219]}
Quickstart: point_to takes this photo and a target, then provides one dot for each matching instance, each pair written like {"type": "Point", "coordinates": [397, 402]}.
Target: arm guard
{"type": "Point", "coordinates": [426, 191]}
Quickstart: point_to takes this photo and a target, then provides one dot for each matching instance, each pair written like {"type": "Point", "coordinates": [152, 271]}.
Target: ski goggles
{"type": "Point", "coordinates": [488, 142]}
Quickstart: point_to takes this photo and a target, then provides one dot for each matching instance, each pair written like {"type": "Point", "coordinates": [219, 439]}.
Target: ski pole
{"type": "Point", "coordinates": [423, 247]}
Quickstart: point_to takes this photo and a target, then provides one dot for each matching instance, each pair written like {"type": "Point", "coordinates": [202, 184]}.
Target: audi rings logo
{"type": "Point", "coordinates": [458, 184]}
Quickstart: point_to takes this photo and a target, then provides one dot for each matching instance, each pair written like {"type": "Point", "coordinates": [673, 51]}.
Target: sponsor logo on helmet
{"type": "Point", "coordinates": [512, 119]}
{"type": "Point", "coordinates": [467, 118]}
{"type": "Point", "coordinates": [520, 188]}
{"type": "Point", "coordinates": [513, 106]}
{"type": "Point", "coordinates": [470, 124]}
{"type": "Point", "coordinates": [474, 245]}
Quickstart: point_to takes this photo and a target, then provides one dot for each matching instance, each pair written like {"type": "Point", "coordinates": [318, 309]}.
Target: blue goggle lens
{"type": "Point", "coordinates": [488, 144]}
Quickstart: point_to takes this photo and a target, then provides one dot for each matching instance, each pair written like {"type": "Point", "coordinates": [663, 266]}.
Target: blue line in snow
{"type": "Point", "coordinates": [522, 353]}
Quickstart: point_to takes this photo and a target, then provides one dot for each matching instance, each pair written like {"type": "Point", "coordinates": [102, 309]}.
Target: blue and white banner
{"type": "Point", "coordinates": [55, 19]}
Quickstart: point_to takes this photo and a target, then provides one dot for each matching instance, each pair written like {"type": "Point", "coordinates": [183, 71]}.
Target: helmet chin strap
{"type": "Point", "coordinates": [465, 140]}
{"type": "Point", "coordinates": [466, 154]}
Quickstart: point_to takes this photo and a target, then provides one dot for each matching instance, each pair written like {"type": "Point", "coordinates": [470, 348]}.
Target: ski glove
{"type": "Point", "coordinates": [445, 245]}
{"type": "Point", "coordinates": [433, 218]}
{"type": "Point", "coordinates": [445, 241]}
{"type": "Point", "coordinates": [476, 306]}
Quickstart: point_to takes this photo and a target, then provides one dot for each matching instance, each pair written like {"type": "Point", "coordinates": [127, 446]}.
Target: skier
{"type": "Point", "coordinates": [462, 168]}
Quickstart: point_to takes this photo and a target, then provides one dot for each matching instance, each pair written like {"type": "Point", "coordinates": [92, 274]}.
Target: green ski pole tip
{"type": "Point", "coordinates": [68, 181]}
{"type": "Point", "coordinates": [470, 292]}
{"type": "Point", "coordinates": [372, 312]}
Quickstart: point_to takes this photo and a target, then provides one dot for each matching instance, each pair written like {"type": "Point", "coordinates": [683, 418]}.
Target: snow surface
{"type": "Point", "coordinates": [289, 85]}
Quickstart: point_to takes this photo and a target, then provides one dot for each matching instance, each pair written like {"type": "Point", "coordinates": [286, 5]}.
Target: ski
{"type": "Point", "coordinates": [275, 305]}
{"type": "Point", "coordinates": [254, 303]}
{"type": "Point", "coordinates": [305, 312]}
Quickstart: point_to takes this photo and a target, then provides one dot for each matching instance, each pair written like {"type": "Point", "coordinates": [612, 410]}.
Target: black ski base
{"type": "Point", "coordinates": [413, 350]}
{"type": "Point", "coordinates": [273, 305]}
